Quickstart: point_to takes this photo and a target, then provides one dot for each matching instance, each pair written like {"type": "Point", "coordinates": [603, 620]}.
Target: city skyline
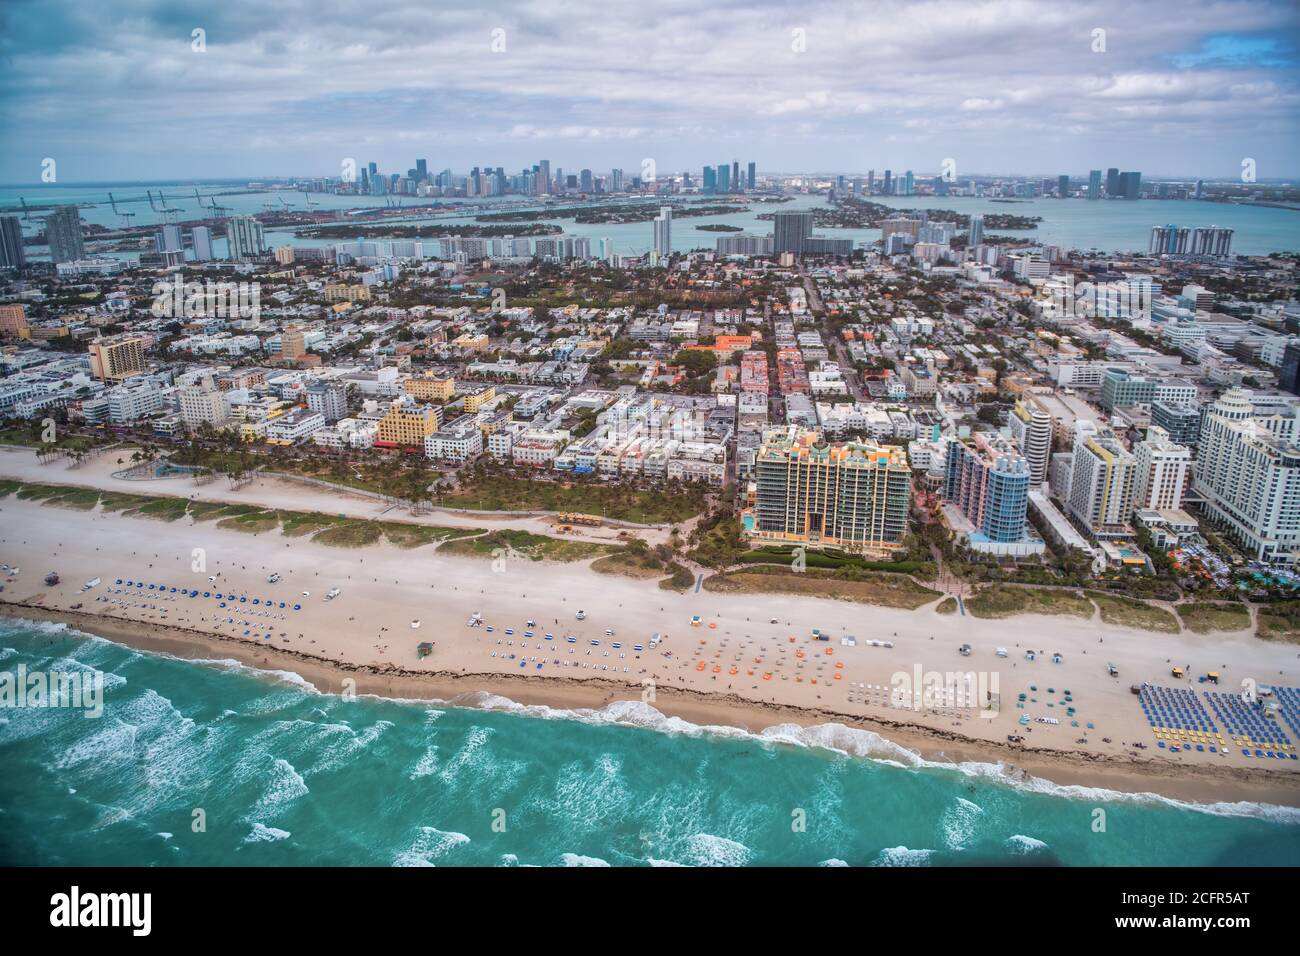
{"type": "Point", "coordinates": [125, 92]}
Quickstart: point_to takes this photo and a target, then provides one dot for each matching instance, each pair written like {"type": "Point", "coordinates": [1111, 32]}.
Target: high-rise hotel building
{"type": "Point", "coordinates": [12, 253]}
{"type": "Point", "coordinates": [116, 358]}
{"type": "Point", "coordinates": [663, 228]}
{"type": "Point", "coordinates": [1101, 485]}
{"type": "Point", "coordinates": [852, 496]}
{"type": "Point", "coordinates": [406, 424]}
{"type": "Point", "coordinates": [13, 322]}
{"type": "Point", "coordinates": [988, 480]}
{"type": "Point", "coordinates": [1162, 469]}
{"type": "Point", "coordinates": [1031, 430]}
{"type": "Point", "coordinates": [63, 232]}
{"type": "Point", "coordinates": [1248, 473]}
{"type": "Point", "coordinates": [244, 238]}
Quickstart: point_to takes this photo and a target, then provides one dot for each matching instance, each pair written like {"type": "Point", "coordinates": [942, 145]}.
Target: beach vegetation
{"type": "Point", "coordinates": [297, 524]}
{"type": "Point", "coordinates": [1002, 600]}
{"type": "Point", "coordinates": [350, 533]}
{"type": "Point", "coordinates": [1279, 620]}
{"type": "Point", "coordinates": [1132, 613]}
{"type": "Point", "coordinates": [165, 509]}
{"type": "Point", "coordinates": [680, 580]}
{"type": "Point", "coordinates": [122, 501]}
{"type": "Point", "coordinates": [251, 522]}
{"type": "Point", "coordinates": [524, 544]}
{"type": "Point", "coordinates": [404, 535]}
{"type": "Point", "coordinates": [481, 489]}
{"type": "Point", "coordinates": [867, 587]}
{"type": "Point", "coordinates": [1202, 617]}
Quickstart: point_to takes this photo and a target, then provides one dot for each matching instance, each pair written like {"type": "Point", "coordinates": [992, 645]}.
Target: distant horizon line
{"type": "Point", "coordinates": [227, 180]}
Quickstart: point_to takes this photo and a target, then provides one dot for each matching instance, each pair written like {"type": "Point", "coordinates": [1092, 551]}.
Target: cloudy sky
{"type": "Point", "coordinates": [115, 89]}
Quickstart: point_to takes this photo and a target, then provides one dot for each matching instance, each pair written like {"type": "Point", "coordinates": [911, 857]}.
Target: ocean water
{"type": "Point", "coordinates": [286, 776]}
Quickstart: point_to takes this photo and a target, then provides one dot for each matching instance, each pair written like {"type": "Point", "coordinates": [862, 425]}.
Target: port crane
{"type": "Point", "coordinates": [218, 212]}
{"type": "Point", "coordinates": [124, 216]}
{"type": "Point", "coordinates": [169, 213]}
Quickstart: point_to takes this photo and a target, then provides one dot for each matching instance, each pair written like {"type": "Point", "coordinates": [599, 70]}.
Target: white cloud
{"type": "Point", "coordinates": [115, 83]}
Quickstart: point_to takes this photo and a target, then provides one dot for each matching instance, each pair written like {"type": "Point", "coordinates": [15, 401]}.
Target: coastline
{"type": "Point", "coordinates": [1196, 784]}
{"type": "Point", "coordinates": [750, 661]}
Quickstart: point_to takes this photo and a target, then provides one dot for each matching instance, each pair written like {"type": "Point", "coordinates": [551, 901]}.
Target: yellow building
{"type": "Point", "coordinates": [117, 358]}
{"type": "Point", "coordinates": [51, 329]}
{"type": "Point", "coordinates": [406, 424]}
{"type": "Point", "coordinates": [293, 344]}
{"type": "Point", "coordinates": [478, 398]}
{"type": "Point", "coordinates": [477, 343]}
{"type": "Point", "coordinates": [340, 291]}
{"type": "Point", "coordinates": [431, 388]}
{"type": "Point", "coordinates": [493, 421]}
{"type": "Point", "coordinates": [252, 431]}
{"type": "Point", "coordinates": [853, 496]}
{"type": "Point", "coordinates": [13, 322]}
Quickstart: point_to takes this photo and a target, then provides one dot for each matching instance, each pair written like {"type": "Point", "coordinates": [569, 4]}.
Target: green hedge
{"type": "Point", "coordinates": [831, 560]}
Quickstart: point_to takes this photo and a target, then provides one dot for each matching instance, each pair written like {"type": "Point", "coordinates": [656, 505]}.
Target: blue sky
{"type": "Point", "coordinates": [114, 89]}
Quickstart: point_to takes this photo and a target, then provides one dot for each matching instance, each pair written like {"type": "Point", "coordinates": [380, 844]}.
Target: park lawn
{"type": "Point", "coordinates": [1130, 612]}
{"type": "Point", "coordinates": [643, 506]}
{"type": "Point", "coordinates": [1205, 616]}
{"type": "Point", "coordinates": [1002, 600]}
{"type": "Point", "coordinates": [886, 590]}
{"type": "Point", "coordinates": [33, 439]}
{"type": "Point", "coordinates": [324, 472]}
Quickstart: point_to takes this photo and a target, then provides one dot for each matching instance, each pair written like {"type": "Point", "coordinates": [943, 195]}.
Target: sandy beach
{"type": "Point", "coordinates": [751, 662]}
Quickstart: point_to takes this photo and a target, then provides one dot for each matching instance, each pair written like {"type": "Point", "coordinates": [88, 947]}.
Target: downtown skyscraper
{"type": "Point", "coordinates": [1094, 184]}
{"type": "Point", "coordinates": [12, 254]}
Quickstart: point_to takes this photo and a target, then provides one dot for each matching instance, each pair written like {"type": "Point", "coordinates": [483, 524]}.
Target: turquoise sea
{"type": "Point", "coordinates": [1109, 226]}
{"type": "Point", "coordinates": [283, 775]}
